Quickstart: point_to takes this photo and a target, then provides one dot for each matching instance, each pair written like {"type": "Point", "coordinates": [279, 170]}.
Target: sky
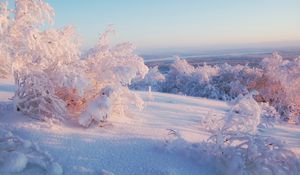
{"type": "Point", "coordinates": [169, 24]}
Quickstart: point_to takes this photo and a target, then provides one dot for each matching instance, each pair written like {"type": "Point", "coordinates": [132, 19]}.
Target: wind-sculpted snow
{"type": "Point", "coordinates": [276, 80]}
{"type": "Point", "coordinates": [54, 79]}
{"type": "Point", "coordinates": [22, 156]}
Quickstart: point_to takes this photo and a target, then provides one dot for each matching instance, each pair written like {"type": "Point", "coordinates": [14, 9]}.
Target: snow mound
{"type": "Point", "coordinates": [98, 110]}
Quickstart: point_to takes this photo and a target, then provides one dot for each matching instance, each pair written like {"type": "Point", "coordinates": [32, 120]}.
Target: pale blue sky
{"type": "Point", "coordinates": [151, 24]}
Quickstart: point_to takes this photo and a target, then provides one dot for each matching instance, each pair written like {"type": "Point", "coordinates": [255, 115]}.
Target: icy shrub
{"type": "Point", "coordinates": [269, 115]}
{"type": "Point", "coordinates": [223, 82]}
{"type": "Point", "coordinates": [249, 154]}
{"type": "Point", "coordinates": [244, 116]}
{"type": "Point", "coordinates": [281, 86]}
{"type": "Point", "coordinates": [110, 71]}
{"type": "Point", "coordinates": [183, 78]}
{"type": "Point", "coordinates": [178, 76]}
{"type": "Point", "coordinates": [4, 58]}
{"type": "Point", "coordinates": [233, 81]}
{"type": "Point", "coordinates": [4, 66]}
{"type": "Point", "coordinates": [237, 148]}
{"type": "Point", "coordinates": [39, 58]}
{"type": "Point", "coordinates": [17, 154]}
{"type": "Point", "coordinates": [234, 147]}
{"type": "Point", "coordinates": [153, 79]}
{"type": "Point", "coordinates": [36, 97]}
{"type": "Point", "coordinates": [53, 78]}
{"type": "Point", "coordinates": [276, 80]}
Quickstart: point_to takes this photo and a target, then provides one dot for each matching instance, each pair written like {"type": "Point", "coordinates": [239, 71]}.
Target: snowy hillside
{"type": "Point", "coordinates": [68, 110]}
{"type": "Point", "coordinates": [146, 142]}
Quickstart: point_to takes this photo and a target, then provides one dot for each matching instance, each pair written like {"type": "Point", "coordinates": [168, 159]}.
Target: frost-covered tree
{"type": "Point", "coordinates": [54, 79]}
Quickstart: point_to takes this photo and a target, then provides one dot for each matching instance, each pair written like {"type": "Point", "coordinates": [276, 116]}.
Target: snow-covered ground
{"type": "Point", "coordinates": [136, 144]}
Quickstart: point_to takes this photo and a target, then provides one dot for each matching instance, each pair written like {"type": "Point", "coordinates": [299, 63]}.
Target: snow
{"type": "Point", "coordinates": [98, 110]}
{"type": "Point", "coordinates": [73, 113]}
{"type": "Point", "coordinates": [14, 163]}
{"type": "Point", "coordinates": [144, 142]}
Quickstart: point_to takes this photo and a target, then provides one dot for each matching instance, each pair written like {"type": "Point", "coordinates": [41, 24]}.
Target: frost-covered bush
{"type": "Point", "coordinates": [234, 147]}
{"type": "Point", "coordinates": [244, 116]}
{"type": "Point", "coordinates": [4, 59]}
{"type": "Point", "coordinates": [276, 80]}
{"type": "Point", "coordinates": [239, 150]}
{"type": "Point", "coordinates": [178, 76]}
{"type": "Point", "coordinates": [16, 155]}
{"type": "Point", "coordinates": [36, 97]}
{"type": "Point", "coordinates": [153, 79]}
{"type": "Point", "coordinates": [54, 79]}
{"type": "Point", "coordinates": [249, 154]}
{"type": "Point", "coordinates": [39, 59]}
{"type": "Point", "coordinates": [281, 86]}
{"type": "Point", "coordinates": [183, 78]}
{"type": "Point", "coordinates": [5, 65]}
{"type": "Point", "coordinates": [269, 115]}
{"type": "Point", "coordinates": [110, 71]}
{"type": "Point", "coordinates": [233, 81]}
{"type": "Point", "coordinates": [223, 82]}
